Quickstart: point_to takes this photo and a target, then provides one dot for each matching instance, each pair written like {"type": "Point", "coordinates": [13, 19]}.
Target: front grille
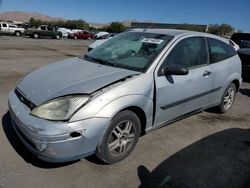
{"type": "Point", "coordinates": [24, 100]}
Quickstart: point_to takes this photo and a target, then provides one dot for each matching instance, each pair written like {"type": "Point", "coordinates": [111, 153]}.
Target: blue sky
{"type": "Point", "coordinates": [233, 12]}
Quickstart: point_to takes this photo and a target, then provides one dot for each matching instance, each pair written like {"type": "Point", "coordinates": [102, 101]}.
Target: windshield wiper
{"type": "Point", "coordinates": [101, 61]}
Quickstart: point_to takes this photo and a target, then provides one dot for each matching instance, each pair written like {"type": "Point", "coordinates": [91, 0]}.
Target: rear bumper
{"type": "Point", "coordinates": [53, 141]}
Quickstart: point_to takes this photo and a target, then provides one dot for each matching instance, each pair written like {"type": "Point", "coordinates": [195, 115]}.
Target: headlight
{"type": "Point", "coordinates": [60, 109]}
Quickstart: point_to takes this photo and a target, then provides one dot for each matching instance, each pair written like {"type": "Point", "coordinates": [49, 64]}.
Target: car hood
{"type": "Point", "coordinates": [72, 76]}
{"type": "Point", "coordinates": [97, 43]}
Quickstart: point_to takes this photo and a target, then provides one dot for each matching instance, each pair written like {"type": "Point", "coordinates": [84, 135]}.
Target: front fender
{"type": "Point", "coordinates": [144, 103]}
{"type": "Point", "coordinates": [113, 107]}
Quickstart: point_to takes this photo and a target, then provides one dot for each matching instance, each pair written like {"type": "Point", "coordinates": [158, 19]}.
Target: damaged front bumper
{"type": "Point", "coordinates": [55, 141]}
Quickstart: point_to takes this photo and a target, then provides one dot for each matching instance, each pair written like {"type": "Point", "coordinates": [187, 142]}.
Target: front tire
{"type": "Point", "coordinates": [120, 137]}
{"type": "Point", "coordinates": [57, 37]}
{"type": "Point", "coordinates": [227, 99]}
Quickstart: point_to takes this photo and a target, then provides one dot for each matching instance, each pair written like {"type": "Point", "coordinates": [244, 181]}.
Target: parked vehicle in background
{"type": "Point", "coordinates": [98, 42]}
{"type": "Point", "coordinates": [244, 54]}
{"type": "Point", "coordinates": [65, 32]}
{"type": "Point", "coordinates": [243, 40]}
{"type": "Point", "coordinates": [240, 38]}
{"type": "Point", "coordinates": [132, 84]}
{"type": "Point", "coordinates": [76, 30]}
{"type": "Point", "coordinates": [101, 35]}
{"type": "Point", "coordinates": [43, 31]}
{"type": "Point", "coordinates": [10, 29]}
{"type": "Point", "coordinates": [81, 35]}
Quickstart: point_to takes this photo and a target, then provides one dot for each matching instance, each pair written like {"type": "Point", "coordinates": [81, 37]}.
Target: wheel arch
{"type": "Point", "coordinates": [142, 106]}
{"type": "Point", "coordinates": [233, 78]}
{"type": "Point", "coordinates": [237, 84]}
{"type": "Point", "coordinates": [17, 31]}
{"type": "Point", "coordinates": [140, 114]}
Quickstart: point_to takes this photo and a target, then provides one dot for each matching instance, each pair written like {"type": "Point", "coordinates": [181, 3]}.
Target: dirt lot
{"type": "Point", "coordinates": [205, 150]}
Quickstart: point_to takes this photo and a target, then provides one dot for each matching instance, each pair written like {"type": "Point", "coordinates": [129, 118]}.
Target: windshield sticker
{"type": "Point", "coordinates": [152, 40]}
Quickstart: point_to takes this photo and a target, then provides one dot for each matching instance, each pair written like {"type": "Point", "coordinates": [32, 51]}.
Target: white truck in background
{"type": "Point", "coordinates": [11, 29]}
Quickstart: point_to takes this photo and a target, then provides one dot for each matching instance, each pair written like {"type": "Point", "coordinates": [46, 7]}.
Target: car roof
{"type": "Point", "coordinates": [179, 33]}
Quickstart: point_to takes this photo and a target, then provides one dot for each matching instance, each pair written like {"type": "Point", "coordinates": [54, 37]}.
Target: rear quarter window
{"type": "Point", "coordinates": [220, 50]}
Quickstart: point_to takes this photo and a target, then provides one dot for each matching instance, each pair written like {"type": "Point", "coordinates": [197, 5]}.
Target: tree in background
{"type": "Point", "coordinates": [115, 27]}
{"type": "Point", "coordinates": [35, 22]}
{"type": "Point", "coordinates": [76, 24]}
{"type": "Point", "coordinates": [72, 24]}
{"type": "Point", "coordinates": [223, 30]}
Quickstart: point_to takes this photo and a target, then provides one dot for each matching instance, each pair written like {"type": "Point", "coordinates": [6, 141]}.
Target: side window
{"type": "Point", "coordinates": [219, 50]}
{"type": "Point", "coordinates": [50, 29]}
{"type": "Point", "coordinates": [190, 52]}
{"type": "Point", "coordinates": [245, 43]}
{"type": "Point", "coordinates": [43, 28]}
{"type": "Point", "coordinates": [4, 25]}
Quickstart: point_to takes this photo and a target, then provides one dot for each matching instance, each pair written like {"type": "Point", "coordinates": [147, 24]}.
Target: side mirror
{"type": "Point", "coordinates": [175, 69]}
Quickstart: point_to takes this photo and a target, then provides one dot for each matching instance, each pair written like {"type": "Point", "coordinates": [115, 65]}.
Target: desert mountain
{"type": "Point", "coordinates": [25, 16]}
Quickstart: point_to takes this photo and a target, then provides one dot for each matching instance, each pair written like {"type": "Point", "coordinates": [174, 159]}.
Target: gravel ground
{"type": "Point", "coordinates": [204, 150]}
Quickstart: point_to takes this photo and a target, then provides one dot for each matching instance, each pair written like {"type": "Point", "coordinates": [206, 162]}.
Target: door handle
{"type": "Point", "coordinates": [207, 73]}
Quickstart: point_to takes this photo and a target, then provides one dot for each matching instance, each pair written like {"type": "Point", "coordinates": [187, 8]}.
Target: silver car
{"type": "Point", "coordinates": [134, 83]}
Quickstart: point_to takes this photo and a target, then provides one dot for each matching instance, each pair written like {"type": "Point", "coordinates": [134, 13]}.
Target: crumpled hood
{"type": "Point", "coordinates": [71, 76]}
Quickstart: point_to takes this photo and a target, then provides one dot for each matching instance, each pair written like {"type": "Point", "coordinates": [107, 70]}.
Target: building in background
{"type": "Point", "coordinates": [192, 27]}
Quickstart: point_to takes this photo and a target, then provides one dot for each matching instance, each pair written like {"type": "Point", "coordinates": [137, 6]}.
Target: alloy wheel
{"type": "Point", "coordinates": [121, 138]}
{"type": "Point", "coordinates": [229, 98]}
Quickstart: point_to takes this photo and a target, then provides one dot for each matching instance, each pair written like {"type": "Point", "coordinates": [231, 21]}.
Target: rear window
{"type": "Point", "coordinates": [219, 50]}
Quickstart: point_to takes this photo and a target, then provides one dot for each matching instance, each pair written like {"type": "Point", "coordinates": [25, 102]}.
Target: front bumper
{"type": "Point", "coordinates": [53, 141]}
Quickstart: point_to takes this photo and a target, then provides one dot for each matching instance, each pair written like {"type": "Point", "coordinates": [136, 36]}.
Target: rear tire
{"type": "Point", "coordinates": [35, 36]}
{"type": "Point", "coordinates": [227, 99]}
{"type": "Point", "coordinates": [120, 137]}
{"type": "Point", "coordinates": [18, 33]}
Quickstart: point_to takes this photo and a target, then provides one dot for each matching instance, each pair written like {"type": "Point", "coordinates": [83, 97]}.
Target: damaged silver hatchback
{"type": "Point", "coordinates": [134, 83]}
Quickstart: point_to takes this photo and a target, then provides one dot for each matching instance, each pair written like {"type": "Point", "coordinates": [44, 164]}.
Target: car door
{"type": "Point", "coordinates": [222, 64]}
{"type": "Point", "coordinates": [80, 35]}
{"type": "Point", "coordinates": [85, 35]}
{"type": "Point", "coordinates": [179, 95]}
{"type": "Point", "coordinates": [43, 31]}
{"type": "Point", "coordinates": [50, 31]}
